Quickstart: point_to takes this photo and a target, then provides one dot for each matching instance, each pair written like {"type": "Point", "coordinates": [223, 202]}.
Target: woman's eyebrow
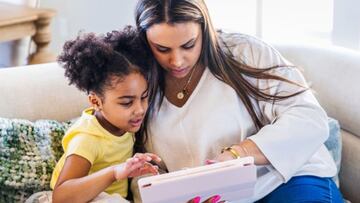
{"type": "Point", "coordinates": [186, 43]}
{"type": "Point", "coordinates": [190, 41]}
{"type": "Point", "coordinates": [146, 91]}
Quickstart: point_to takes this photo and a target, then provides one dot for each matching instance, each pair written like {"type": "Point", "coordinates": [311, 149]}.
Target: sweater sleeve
{"type": "Point", "coordinates": [297, 126]}
{"type": "Point", "coordinates": [297, 130]}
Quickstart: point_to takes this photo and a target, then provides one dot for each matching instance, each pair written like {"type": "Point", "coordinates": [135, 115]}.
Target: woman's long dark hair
{"type": "Point", "coordinates": [216, 57]}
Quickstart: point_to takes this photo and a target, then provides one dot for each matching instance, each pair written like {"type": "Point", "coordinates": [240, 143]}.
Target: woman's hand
{"type": "Point", "coordinates": [225, 156]}
{"type": "Point", "coordinates": [136, 166]}
{"type": "Point", "coordinates": [244, 149]}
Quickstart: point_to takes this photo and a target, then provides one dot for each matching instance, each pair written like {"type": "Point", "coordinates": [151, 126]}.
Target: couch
{"type": "Point", "coordinates": [41, 92]}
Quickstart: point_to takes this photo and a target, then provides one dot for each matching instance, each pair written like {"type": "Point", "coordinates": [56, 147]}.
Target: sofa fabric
{"type": "Point", "coordinates": [350, 167]}
{"type": "Point", "coordinates": [333, 73]}
{"type": "Point", "coordinates": [39, 92]}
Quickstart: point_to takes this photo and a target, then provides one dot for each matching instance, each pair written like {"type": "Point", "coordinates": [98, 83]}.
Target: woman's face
{"type": "Point", "coordinates": [176, 47]}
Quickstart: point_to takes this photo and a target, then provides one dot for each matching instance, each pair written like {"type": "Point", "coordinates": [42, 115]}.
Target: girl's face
{"type": "Point", "coordinates": [176, 47]}
{"type": "Point", "coordinates": [125, 103]}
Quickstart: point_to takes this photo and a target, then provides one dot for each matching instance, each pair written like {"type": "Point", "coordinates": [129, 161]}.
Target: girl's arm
{"type": "Point", "coordinates": [75, 185]}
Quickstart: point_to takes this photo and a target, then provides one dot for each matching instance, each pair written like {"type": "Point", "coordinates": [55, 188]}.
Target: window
{"type": "Point", "coordinates": [235, 15]}
{"type": "Point", "coordinates": [305, 21]}
{"type": "Point", "coordinates": [320, 22]}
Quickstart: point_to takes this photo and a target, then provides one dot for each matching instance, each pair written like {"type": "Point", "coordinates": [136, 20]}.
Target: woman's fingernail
{"type": "Point", "coordinates": [215, 199]}
{"type": "Point", "coordinates": [196, 199]}
{"type": "Point", "coordinates": [208, 161]}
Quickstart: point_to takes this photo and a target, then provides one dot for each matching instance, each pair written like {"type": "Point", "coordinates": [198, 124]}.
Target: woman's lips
{"type": "Point", "coordinates": [181, 72]}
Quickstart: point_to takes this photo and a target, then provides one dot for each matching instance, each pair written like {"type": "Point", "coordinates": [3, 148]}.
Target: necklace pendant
{"type": "Point", "coordinates": [180, 95]}
{"type": "Point", "coordinates": [184, 92]}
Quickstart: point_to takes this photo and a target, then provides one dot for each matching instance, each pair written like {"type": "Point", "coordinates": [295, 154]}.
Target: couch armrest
{"type": "Point", "coordinates": [350, 167]}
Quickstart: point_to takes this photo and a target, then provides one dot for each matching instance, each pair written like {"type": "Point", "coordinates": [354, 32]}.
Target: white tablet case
{"type": "Point", "coordinates": [232, 180]}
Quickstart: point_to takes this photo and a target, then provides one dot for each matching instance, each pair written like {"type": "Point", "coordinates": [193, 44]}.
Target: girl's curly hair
{"type": "Point", "coordinates": [127, 41]}
{"type": "Point", "coordinates": [90, 60]}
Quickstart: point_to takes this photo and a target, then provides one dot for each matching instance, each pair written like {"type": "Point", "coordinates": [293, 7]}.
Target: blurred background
{"type": "Point", "coordinates": [320, 22]}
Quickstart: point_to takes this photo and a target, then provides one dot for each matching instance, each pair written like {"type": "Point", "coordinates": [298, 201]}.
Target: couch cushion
{"type": "Point", "coordinates": [39, 92]}
{"type": "Point", "coordinates": [333, 73]}
{"type": "Point", "coordinates": [28, 153]}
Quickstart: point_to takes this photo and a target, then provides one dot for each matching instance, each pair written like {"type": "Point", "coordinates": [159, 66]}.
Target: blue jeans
{"type": "Point", "coordinates": [305, 189]}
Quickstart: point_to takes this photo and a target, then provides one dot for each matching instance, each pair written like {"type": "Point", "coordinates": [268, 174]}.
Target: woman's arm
{"type": "Point", "coordinates": [297, 126]}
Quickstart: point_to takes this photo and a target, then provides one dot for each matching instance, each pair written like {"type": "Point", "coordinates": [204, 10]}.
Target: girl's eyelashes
{"type": "Point", "coordinates": [129, 103]}
{"type": "Point", "coordinates": [126, 104]}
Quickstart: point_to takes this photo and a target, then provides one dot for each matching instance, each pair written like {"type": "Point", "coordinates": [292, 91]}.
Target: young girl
{"type": "Point", "coordinates": [99, 146]}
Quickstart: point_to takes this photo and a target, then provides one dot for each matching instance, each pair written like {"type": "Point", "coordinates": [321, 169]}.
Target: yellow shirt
{"type": "Point", "coordinates": [88, 139]}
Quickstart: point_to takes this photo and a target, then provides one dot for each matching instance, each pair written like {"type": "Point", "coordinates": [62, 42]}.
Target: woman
{"type": "Point", "coordinates": [223, 96]}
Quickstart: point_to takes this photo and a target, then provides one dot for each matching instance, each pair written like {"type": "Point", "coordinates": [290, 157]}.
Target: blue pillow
{"type": "Point", "coordinates": [334, 145]}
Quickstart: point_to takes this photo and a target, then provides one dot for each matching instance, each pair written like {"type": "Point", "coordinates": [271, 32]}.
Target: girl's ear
{"type": "Point", "coordinates": [95, 101]}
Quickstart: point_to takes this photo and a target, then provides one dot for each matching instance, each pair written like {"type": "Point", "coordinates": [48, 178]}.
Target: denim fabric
{"type": "Point", "coordinates": [305, 189]}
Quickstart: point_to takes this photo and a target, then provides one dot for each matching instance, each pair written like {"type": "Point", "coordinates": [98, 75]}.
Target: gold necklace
{"type": "Point", "coordinates": [184, 92]}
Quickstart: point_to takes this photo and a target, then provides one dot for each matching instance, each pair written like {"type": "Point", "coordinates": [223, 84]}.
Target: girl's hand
{"type": "Point", "coordinates": [136, 166]}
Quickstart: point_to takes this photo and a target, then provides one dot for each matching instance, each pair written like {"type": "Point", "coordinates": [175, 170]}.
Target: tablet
{"type": "Point", "coordinates": [232, 180]}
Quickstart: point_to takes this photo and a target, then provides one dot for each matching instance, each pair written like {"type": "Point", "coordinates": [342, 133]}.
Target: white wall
{"type": "Point", "coordinates": [87, 15]}
{"type": "Point", "coordinates": [233, 15]}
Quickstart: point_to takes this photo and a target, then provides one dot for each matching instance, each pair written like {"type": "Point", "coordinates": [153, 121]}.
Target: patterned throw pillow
{"type": "Point", "coordinates": [28, 154]}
